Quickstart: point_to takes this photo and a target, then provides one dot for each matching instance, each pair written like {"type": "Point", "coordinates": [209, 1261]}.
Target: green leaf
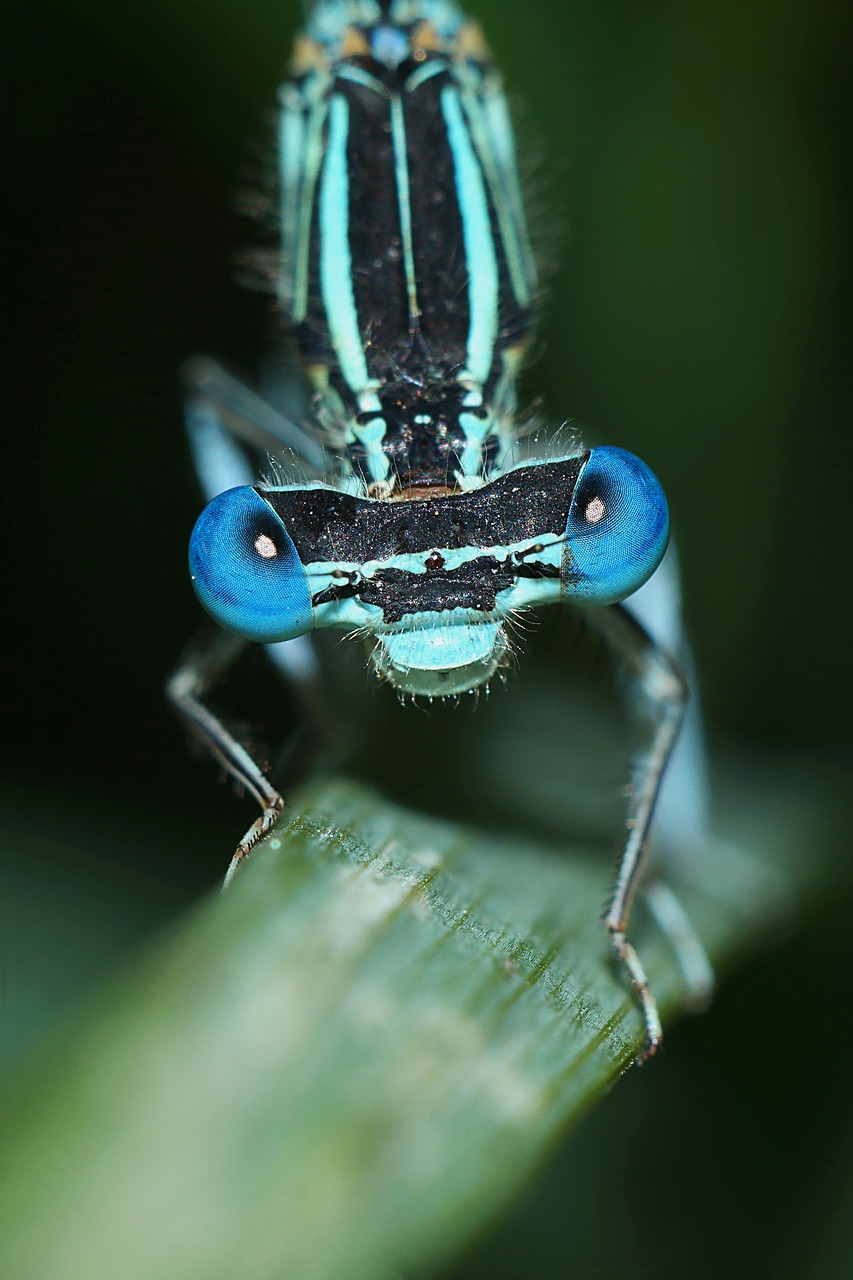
{"type": "Point", "coordinates": [345, 1065]}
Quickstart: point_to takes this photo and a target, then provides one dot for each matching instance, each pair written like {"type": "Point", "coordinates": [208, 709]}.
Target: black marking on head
{"type": "Point", "coordinates": [474, 585]}
{"type": "Point", "coordinates": [326, 525]}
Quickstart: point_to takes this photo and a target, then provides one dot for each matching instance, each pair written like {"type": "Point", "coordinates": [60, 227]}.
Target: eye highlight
{"type": "Point", "coordinates": [265, 546]}
{"type": "Point", "coordinates": [246, 571]}
{"type": "Point", "coordinates": [617, 529]}
{"type": "Point", "coordinates": [595, 511]}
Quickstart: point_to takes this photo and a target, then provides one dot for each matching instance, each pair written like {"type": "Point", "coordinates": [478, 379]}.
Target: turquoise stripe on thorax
{"type": "Point", "coordinates": [401, 172]}
{"type": "Point", "coordinates": [476, 429]}
{"type": "Point", "coordinates": [335, 259]}
{"type": "Point", "coordinates": [493, 141]}
{"type": "Point", "coordinates": [313, 159]}
{"type": "Point", "coordinates": [337, 289]}
{"type": "Point", "coordinates": [357, 75]}
{"type": "Point", "coordinates": [424, 73]}
{"type": "Point", "coordinates": [501, 142]}
{"type": "Point", "coordinates": [371, 436]}
{"type": "Point", "coordinates": [479, 246]}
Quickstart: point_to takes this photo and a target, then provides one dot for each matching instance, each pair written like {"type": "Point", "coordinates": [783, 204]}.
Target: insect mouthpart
{"type": "Point", "coordinates": [440, 658]}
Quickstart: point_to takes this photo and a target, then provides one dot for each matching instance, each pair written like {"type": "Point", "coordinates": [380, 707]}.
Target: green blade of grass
{"type": "Point", "coordinates": [346, 1064]}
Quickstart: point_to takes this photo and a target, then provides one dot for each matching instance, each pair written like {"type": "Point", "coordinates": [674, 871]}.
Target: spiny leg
{"type": "Point", "coordinates": [664, 687]}
{"type": "Point", "coordinates": [674, 924]}
{"type": "Point", "coordinates": [296, 662]}
{"type": "Point", "coordinates": [217, 440]}
{"type": "Point", "coordinates": [223, 416]}
{"type": "Point", "coordinates": [682, 811]}
{"type": "Point", "coordinates": [202, 665]}
{"type": "Point", "coordinates": [681, 822]}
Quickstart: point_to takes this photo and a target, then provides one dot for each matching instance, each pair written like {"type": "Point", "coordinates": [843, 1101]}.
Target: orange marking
{"type": "Point", "coordinates": [425, 40]}
{"type": "Point", "coordinates": [471, 43]}
{"type": "Point", "coordinates": [307, 56]}
{"type": "Point", "coordinates": [513, 356]}
{"type": "Point", "coordinates": [423, 493]}
{"type": "Point", "coordinates": [354, 44]}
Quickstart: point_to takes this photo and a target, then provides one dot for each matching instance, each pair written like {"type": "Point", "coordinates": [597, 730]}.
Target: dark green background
{"type": "Point", "coordinates": [687, 176]}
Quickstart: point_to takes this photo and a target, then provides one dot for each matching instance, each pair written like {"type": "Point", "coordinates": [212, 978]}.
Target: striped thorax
{"type": "Point", "coordinates": [406, 268]}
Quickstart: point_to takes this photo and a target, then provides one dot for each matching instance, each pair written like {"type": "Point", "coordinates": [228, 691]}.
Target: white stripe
{"type": "Point", "coordinates": [499, 126]}
{"type": "Point", "coordinates": [500, 181]}
{"type": "Point", "coordinates": [335, 258]}
{"type": "Point", "coordinates": [479, 247]}
{"type": "Point", "coordinates": [401, 173]}
{"type": "Point", "coordinates": [358, 76]}
{"type": "Point", "coordinates": [313, 148]}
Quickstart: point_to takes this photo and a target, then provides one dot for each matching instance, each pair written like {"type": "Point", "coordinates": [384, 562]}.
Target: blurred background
{"type": "Point", "coordinates": [687, 170]}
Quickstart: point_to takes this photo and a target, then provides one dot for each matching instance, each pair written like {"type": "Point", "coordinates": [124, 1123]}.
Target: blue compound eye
{"type": "Point", "coordinates": [246, 571]}
{"type": "Point", "coordinates": [617, 530]}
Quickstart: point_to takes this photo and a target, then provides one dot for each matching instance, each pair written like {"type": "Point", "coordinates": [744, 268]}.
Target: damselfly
{"type": "Point", "coordinates": [410, 511]}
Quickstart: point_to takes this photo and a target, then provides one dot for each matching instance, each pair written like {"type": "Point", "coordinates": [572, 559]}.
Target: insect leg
{"type": "Point", "coordinates": [682, 810]}
{"type": "Point", "coordinates": [220, 407]}
{"type": "Point", "coordinates": [691, 955]}
{"type": "Point", "coordinates": [203, 664]}
{"type": "Point", "coordinates": [218, 441]}
{"type": "Point", "coordinates": [664, 689]}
